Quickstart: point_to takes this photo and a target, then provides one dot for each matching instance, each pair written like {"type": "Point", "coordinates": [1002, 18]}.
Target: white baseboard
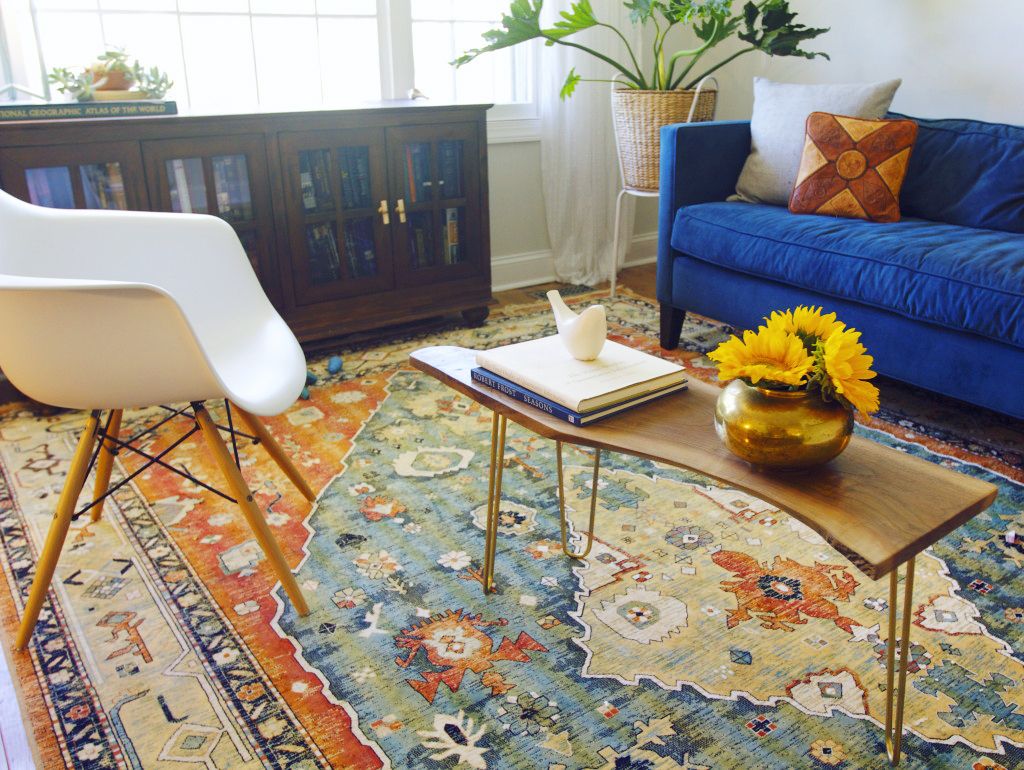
{"type": "Point", "coordinates": [514, 271]}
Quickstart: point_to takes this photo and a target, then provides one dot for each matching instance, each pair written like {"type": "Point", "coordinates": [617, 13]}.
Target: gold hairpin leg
{"type": "Point", "coordinates": [498, 425]}
{"type": "Point", "coordinates": [561, 504]}
{"type": "Point", "coordinates": [894, 728]}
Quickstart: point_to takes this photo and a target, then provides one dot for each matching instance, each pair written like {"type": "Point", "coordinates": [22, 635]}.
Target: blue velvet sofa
{"type": "Point", "coordinates": [939, 296]}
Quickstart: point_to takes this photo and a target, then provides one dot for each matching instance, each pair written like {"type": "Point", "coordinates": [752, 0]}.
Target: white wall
{"type": "Point", "coordinates": [956, 59]}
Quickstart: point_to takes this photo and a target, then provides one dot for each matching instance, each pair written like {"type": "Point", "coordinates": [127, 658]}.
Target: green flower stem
{"type": "Point", "coordinates": [694, 53]}
{"type": "Point", "coordinates": [638, 79]}
{"type": "Point", "coordinates": [629, 48]}
{"type": "Point", "coordinates": [718, 66]}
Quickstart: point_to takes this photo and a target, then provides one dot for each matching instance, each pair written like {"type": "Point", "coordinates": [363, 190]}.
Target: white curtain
{"type": "Point", "coordinates": [579, 166]}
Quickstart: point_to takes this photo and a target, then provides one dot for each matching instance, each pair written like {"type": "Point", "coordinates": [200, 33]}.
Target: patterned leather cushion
{"type": "Point", "coordinates": [853, 167]}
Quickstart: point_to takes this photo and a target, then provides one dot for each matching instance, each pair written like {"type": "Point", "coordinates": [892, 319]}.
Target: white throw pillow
{"type": "Point", "coordinates": [777, 130]}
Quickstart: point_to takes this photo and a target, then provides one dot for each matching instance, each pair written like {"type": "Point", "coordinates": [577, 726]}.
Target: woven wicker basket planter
{"type": "Point", "coordinates": [638, 117]}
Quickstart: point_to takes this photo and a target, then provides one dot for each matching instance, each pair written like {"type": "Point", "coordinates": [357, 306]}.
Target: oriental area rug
{"type": "Point", "coordinates": [167, 644]}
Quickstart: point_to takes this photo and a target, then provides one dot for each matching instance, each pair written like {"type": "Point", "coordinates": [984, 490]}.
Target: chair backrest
{"type": "Point", "coordinates": [199, 299]}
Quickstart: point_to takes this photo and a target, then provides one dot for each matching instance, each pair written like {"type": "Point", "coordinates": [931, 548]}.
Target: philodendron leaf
{"type": "Point", "coordinates": [642, 10]}
{"type": "Point", "coordinates": [770, 28]}
{"type": "Point", "coordinates": [570, 85]}
{"type": "Point", "coordinates": [579, 17]}
{"type": "Point", "coordinates": [521, 23]}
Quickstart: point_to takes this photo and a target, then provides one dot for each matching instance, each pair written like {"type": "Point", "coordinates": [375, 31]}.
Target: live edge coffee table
{"type": "Point", "coordinates": [876, 506]}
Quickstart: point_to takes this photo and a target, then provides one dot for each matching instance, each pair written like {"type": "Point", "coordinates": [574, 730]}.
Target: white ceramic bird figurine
{"type": "Point", "coordinates": [582, 334]}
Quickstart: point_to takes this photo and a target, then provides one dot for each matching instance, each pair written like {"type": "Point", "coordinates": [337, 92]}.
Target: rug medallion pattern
{"type": "Point", "coordinates": [707, 629]}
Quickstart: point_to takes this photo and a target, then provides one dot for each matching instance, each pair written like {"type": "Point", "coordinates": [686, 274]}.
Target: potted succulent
{"type": "Point", "coordinates": [112, 77]}
{"type": "Point", "coordinates": [664, 91]}
{"type": "Point", "coordinates": [111, 71]}
{"type": "Point", "coordinates": [795, 384]}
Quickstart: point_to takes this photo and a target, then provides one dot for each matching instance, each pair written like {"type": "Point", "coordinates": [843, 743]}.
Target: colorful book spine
{"type": "Point", "coordinates": [451, 237]}
{"type": "Point", "coordinates": [528, 397]}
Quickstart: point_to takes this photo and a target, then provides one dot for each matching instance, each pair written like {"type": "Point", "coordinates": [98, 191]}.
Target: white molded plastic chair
{"type": "Point", "coordinates": [110, 310]}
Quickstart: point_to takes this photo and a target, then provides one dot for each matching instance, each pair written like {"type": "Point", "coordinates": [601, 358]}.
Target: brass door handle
{"type": "Point", "coordinates": [382, 209]}
{"type": "Point", "coordinates": [400, 208]}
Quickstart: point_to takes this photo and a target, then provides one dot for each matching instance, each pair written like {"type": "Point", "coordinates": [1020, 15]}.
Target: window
{"type": "Point", "coordinates": [235, 55]}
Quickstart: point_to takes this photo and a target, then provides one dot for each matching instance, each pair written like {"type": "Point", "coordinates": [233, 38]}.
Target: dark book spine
{"type": "Point", "coordinates": [363, 179]}
{"type": "Point", "coordinates": [525, 396]}
{"type": "Point", "coordinates": [345, 165]}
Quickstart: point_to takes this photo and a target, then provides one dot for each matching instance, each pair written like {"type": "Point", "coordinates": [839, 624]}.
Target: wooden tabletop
{"type": "Point", "coordinates": [873, 504]}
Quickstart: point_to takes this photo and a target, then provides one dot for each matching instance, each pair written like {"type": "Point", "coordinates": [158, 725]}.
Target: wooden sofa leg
{"type": "Point", "coordinates": [671, 326]}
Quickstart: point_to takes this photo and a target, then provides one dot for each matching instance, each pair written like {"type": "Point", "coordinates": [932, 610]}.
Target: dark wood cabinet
{"type": "Point", "coordinates": [352, 219]}
{"type": "Point", "coordinates": [223, 176]}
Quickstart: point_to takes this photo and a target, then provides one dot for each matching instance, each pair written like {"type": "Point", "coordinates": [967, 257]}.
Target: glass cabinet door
{"type": "Point", "coordinates": [434, 172]}
{"type": "Point", "coordinates": [338, 213]}
{"type": "Point", "coordinates": [104, 175]}
{"type": "Point", "coordinates": [223, 176]}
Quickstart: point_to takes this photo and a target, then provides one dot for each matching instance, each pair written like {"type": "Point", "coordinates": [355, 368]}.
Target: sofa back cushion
{"type": "Point", "coordinates": [966, 172]}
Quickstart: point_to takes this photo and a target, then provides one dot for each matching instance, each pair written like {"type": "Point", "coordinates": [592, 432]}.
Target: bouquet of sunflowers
{"type": "Point", "coordinates": [802, 349]}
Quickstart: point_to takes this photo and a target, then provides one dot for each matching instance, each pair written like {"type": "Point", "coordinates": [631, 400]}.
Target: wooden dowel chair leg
{"type": "Point", "coordinates": [58, 532]}
{"type": "Point", "coordinates": [284, 462]}
{"type": "Point", "coordinates": [253, 515]}
{"type": "Point", "coordinates": [105, 463]}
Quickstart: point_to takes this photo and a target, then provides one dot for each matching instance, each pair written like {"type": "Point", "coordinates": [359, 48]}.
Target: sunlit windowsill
{"type": "Point", "coordinates": [512, 130]}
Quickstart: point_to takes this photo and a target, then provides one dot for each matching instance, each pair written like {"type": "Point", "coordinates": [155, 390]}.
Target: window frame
{"type": "Point", "coordinates": [510, 122]}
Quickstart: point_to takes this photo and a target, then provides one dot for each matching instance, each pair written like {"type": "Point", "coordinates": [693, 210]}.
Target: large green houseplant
{"type": "Point", "coordinates": [661, 89]}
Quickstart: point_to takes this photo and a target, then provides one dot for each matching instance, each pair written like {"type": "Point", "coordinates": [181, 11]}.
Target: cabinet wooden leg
{"type": "Point", "coordinates": [58, 532]}
{"type": "Point", "coordinates": [671, 326]}
{"type": "Point", "coordinates": [476, 316]}
{"type": "Point", "coordinates": [253, 515]}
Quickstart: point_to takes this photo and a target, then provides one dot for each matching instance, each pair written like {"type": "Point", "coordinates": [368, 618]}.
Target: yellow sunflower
{"type": "Point", "coordinates": [847, 368]}
{"type": "Point", "coordinates": [770, 355]}
{"type": "Point", "coordinates": [806, 322]}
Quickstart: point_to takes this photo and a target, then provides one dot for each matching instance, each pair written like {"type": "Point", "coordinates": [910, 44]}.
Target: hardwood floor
{"type": "Point", "coordinates": [640, 279]}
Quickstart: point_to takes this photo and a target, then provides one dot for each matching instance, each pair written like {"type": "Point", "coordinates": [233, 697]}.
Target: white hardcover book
{"type": "Point", "coordinates": [545, 367]}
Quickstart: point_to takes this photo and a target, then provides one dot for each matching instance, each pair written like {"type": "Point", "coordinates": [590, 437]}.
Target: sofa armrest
{"type": "Point", "coordinates": [700, 162]}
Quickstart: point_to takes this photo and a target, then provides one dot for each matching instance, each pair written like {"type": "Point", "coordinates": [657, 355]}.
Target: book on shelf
{"type": "Point", "coordinates": [103, 186]}
{"type": "Point", "coordinates": [64, 110]}
{"type": "Point", "coordinates": [545, 367]}
{"type": "Point", "coordinates": [315, 180]}
{"type": "Point", "coordinates": [50, 187]}
{"type": "Point", "coordinates": [451, 236]}
{"type": "Point", "coordinates": [355, 177]}
{"type": "Point", "coordinates": [449, 163]}
{"type": "Point", "coordinates": [421, 241]}
{"type": "Point", "coordinates": [417, 162]}
{"type": "Point", "coordinates": [231, 183]}
{"type": "Point", "coordinates": [324, 260]}
{"type": "Point", "coordinates": [528, 397]}
{"type": "Point", "coordinates": [181, 194]}
{"type": "Point", "coordinates": [359, 248]}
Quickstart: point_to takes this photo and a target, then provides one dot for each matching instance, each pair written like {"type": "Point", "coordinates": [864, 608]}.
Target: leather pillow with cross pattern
{"type": "Point", "coordinates": [853, 167]}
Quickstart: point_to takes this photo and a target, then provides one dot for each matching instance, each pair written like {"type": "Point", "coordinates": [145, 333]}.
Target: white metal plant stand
{"type": "Point", "coordinates": [636, 192]}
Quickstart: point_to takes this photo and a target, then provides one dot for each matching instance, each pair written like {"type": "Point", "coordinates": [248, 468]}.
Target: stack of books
{"type": "Point", "coordinates": [541, 373]}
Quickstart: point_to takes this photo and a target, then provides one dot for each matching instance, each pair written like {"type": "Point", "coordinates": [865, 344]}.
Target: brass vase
{"type": "Point", "coordinates": [781, 429]}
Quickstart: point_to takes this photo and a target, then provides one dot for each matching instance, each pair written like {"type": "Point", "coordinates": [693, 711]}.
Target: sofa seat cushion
{"type": "Point", "coordinates": [957, 277]}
